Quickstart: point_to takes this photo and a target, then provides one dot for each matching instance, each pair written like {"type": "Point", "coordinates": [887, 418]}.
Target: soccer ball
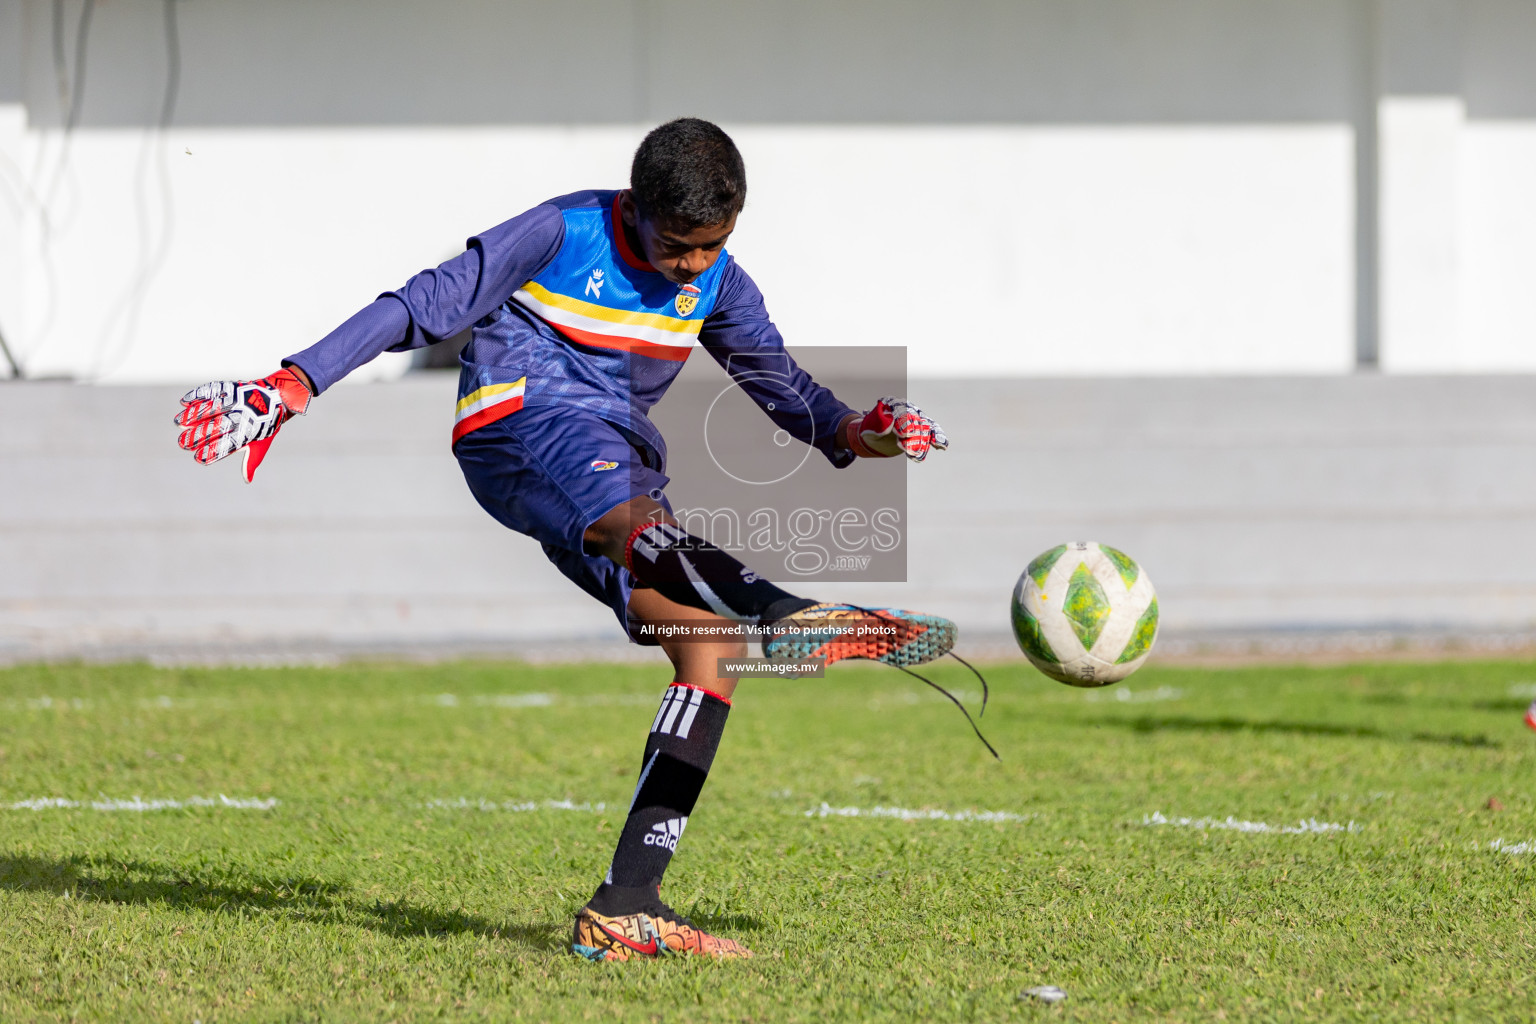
{"type": "Point", "coordinates": [1085, 614]}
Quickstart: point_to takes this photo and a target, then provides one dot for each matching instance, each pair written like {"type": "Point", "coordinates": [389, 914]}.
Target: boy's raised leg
{"type": "Point", "coordinates": [642, 536]}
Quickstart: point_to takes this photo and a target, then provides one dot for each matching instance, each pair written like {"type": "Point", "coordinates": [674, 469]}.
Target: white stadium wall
{"type": "Point", "coordinates": [1021, 187]}
{"type": "Point", "coordinates": [1155, 197]}
{"type": "Point", "coordinates": [1352, 502]}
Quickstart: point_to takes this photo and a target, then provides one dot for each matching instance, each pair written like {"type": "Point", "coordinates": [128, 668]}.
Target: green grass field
{"type": "Point", "coordinates": [401, 876]}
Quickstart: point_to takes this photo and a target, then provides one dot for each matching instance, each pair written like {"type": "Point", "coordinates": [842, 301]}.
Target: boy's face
{"type": "Point", "coordinates": [679, 252]}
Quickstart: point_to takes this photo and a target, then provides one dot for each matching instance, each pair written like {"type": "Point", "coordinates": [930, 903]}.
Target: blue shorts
{"type": "Point", "coordinates": [550, 472]}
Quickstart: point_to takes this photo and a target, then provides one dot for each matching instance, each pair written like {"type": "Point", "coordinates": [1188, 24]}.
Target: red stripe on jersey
{"type": "Point", "coordinates": [676, 353]}
{"type": "Point", "coordinates": [486, 416]}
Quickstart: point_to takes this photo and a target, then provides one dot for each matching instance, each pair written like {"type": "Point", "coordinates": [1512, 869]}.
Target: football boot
{"type": "Point", "coordinates": [837, 631]}
{"type": "Point", "coordinates": [655, 931]}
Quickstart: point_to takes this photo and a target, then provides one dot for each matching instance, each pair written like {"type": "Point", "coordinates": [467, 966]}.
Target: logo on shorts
{"type": "Point", "coordinates": [687, 299]}
{"type": "Point", "coordinates": [599, 465]}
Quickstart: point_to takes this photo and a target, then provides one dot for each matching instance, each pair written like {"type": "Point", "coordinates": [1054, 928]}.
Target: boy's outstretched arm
{"type": "Point", "coordinates": [222, 417]}
{"type": "Point", "coordinates": [743, 339]}
{"type": "Point", "coordinates": [893, 427]}
{"type": "Point", "coordinates": [225, 416]}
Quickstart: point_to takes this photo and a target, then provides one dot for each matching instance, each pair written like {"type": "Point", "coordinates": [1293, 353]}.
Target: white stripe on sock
{"type": "Point", "coordinates": [712, 599]}
{"type": "Point", "coordinates": [646, 771]}
{"type": "Point", "coordinates": [693, 709]}
{"type": "Point", "coordinates": [665, 700]}
{"type": "Point", "coordinates": [640, 547]}
{"type": "Point", "coordinates": [677, 705]}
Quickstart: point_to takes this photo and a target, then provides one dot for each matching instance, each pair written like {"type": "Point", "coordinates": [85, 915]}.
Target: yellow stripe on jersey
{"type": "Point", "coordinates": [491, 394]}
{"type": "Point", "coordinates": [591, 311]}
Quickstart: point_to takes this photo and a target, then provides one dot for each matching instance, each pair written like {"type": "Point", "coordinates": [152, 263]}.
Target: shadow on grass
{"type": "Point", "coordinates": [1514, 706]}
{"type": "Point", "coordinates": [1188, 724]}
{"type": "Point", "coordinates": [293, 898]}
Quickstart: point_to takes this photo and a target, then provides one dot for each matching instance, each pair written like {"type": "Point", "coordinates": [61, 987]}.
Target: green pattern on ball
{"type": "Point", "coordinates": [1026, 629]}
{"type": "Point", "coordinates": [1086, 606]}
{"type": "Point", "coordinates": [1124, 564]}
{"type": "Point", "coordinates": [1041, 566]}
{"type": "Point", "coordinates": [1141, 637]}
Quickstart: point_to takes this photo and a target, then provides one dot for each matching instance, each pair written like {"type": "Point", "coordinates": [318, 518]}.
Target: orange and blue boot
{"type": "Point", "coordinates": [837, 631]}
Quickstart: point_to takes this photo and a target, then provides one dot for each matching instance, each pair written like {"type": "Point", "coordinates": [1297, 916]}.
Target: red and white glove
{"type": "Point", "coordinates": [225, 416]}
{"type": "Point", "coordinates": [894, 427]}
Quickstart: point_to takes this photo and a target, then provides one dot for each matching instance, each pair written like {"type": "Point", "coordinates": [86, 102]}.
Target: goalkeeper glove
{"type": "Point", "coordinates": [893, 427]}
{"type": "Point", "coordinates": [226, 416]}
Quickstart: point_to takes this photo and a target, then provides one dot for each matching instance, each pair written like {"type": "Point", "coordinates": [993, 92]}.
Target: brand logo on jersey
{"type": "Point", "coordinates": [595, 284]}
{"type": "Point", "coordinates": [666, 833]}
{"type": "Point", "coordinates": [599, 465]}
{"type": "Point", "coordinates": [687, 299]}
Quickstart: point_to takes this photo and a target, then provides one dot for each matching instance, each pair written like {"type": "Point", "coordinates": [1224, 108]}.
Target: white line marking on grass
{"type": "Point", "coordinates": [516, 806]}
{"type": "Point", "coordinates": [1513, 849]}
{"type": "Point", "coordinates": [911, 698]}
{"type": "Point", "coordinates": [43, 803]}
{"type": "Point", "coordinates": [1125, 695]}
{"type": "Point", "coordinates": [140, 805]}
{"type": "Point", "coordinates": [516, 700]}
{"type": "Point", "coordinates": [1522, 690]}
{"type": "Point", "coordinates": [46, 703]}
{"type": "Point", "coordinates": [1303, 827]}
{"type": "Point", "coordinates": [904, 814]}
{"type": "Point", "coordinates": [544, 700]}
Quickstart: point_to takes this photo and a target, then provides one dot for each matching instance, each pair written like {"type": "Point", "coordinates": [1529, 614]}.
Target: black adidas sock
{"type": "Point", "coordinates": [694, 572]}
{"type": "Point", "coordinates": [678, 753]}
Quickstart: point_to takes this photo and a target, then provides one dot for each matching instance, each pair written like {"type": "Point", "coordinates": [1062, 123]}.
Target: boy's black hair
{"type": "Point", "coordinates": [688, 172]}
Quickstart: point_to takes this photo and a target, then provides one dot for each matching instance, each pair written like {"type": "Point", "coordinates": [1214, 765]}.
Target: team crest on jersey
{"type": "Point", "coordinates": [687, 299]}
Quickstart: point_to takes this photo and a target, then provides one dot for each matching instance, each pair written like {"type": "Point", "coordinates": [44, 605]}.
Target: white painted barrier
{"type": "Point", "coordinates": [1319, 503]}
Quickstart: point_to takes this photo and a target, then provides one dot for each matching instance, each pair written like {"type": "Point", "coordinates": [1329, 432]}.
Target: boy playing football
{"type": "Point", "coordinates": [583, 310]}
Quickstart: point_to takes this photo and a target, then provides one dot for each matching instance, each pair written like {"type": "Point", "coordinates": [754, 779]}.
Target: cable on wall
{"type": "Point", "coordinates": [152, 255]}
{"type": "Point", "coordinates": [70, 87]}
{"type": "Point", "coordinates": [5, 350]}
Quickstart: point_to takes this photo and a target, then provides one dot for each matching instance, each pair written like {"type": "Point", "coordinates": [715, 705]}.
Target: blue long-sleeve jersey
{"type": "Point", "coordinates": [564, 312]}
